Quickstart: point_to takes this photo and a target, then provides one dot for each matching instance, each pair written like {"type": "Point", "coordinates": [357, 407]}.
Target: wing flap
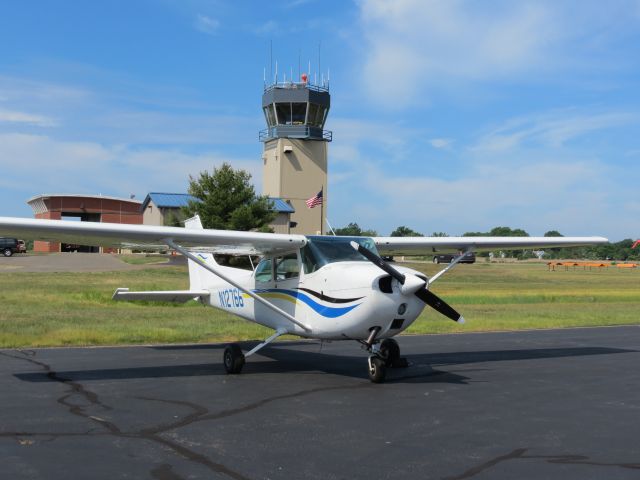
{"type": "Point", "coordinates": [430, 245]}
{"type": "Point", "coordinates": [176, 296]}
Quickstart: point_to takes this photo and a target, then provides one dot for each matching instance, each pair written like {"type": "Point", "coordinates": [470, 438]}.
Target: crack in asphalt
{"type": "Point", "coordinates": [519, 454]}
{"type": "Point", "coordinates": [153, 434]}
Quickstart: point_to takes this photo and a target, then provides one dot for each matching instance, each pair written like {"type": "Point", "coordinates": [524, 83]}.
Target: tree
{"type": "Point", "coordinates": [499, 232]}
{"type": "Point", "coordinates": [405, 232]}
{"type": "Point", "coordinates": [502, 232]}
{"type": "Point", "coordinates": [228, 201]}
{"type": "Point", "coordinates": [439, 234]}
{"type": "Point", "coordinates": [354, 230]}
{"type": "Point", "coordinates": [553, 233]}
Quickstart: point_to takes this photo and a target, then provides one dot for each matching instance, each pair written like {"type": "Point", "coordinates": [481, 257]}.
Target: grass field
{"type": "Point", "coordinates": [50, 309]}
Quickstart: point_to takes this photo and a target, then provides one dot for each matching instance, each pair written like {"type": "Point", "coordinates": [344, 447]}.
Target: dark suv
{"type": "Point", "coordinates": [9, 246]}
{"type": "Point", "coordinates": [469, 257]}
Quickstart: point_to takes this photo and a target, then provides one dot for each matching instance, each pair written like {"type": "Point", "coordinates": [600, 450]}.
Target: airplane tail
{"type": "Point", "coordinates": [197, 275]}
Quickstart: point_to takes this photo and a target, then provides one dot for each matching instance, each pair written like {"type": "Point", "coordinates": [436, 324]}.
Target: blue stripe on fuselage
{"type": "Point", "coordinates": [325, 311]}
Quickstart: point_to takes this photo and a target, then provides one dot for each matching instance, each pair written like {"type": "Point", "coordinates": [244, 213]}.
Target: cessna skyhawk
{"type": "Point", "coordinates": [319, 287]}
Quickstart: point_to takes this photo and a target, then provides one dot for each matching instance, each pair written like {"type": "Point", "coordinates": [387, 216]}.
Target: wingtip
{"type": "Point", "coordinates": [461, 320]}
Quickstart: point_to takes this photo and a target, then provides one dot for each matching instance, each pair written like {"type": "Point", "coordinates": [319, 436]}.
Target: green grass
{"type": "Point", "coordinates": [513, 296]}
{"type": "Point", "coordinates": [50, 309]}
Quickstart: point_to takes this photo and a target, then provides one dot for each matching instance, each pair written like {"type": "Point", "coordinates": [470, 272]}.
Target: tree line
{"type": "Point", "coordinates": [619, 251]}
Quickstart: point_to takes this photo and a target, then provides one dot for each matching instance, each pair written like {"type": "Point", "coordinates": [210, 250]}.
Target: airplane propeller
{"type": "Point", "coordinates": [411, 284]}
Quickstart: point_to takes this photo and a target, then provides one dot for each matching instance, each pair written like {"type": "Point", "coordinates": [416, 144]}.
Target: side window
{"type": "Point", "coordinates": [287, 267]}
{"type": "Point", "coordinates": [263, 270]}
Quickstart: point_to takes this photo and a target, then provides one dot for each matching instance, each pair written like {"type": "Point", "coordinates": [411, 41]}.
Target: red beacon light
{"type": "Point", "coordinates": [304, 78]}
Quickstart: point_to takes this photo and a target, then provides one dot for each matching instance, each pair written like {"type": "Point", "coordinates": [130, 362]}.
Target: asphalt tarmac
{"type": "Point", "coordinates": [75, 262]}
{"type": "Point", "coordinates": [555, 404]}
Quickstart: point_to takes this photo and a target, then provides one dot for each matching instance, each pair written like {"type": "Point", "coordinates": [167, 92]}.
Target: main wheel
{"type": "Point", "coordinates": [233, 358]}
{"type": "Point", "coordinates": [390, 351]}
{"type": "Point", "coordinates": [377, 370]}
{"type": "Point", "coordinates": [435, 260]}
{"type": "Point", "coordinates": [7, 252]}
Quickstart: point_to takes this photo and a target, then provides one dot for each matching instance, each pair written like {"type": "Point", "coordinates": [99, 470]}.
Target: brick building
{"type": "Point", "coordinates": [85, 208]}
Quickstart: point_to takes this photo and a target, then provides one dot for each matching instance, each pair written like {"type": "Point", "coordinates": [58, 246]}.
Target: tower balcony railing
{"type": "Point", "coordinates": [295, 131]}
{"type": "Point", "coordinates": [297, 85]}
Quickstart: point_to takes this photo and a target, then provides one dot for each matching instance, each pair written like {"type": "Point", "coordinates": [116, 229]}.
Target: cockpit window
{"type": "Point", "coordinates": [320, 251]}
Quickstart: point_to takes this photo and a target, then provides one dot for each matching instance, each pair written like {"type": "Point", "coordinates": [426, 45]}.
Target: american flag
{"type": "Point", "coordinates": [315, 200]}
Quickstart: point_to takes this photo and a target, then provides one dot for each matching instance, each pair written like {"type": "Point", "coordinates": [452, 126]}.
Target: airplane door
{"type": "Point", "coordinates": [287, 280]}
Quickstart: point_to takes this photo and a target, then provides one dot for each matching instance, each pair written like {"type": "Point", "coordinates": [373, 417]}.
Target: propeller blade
{"type": "Point", "coordinates": [375, 259]}
{"type": "Point", "coordinates": [439, 305]}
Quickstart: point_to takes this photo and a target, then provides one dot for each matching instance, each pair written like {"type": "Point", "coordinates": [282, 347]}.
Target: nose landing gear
{"type": "Point", "coordinates": [383, 355]}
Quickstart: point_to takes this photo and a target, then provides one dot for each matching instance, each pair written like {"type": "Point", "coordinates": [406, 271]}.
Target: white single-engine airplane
{"type": "Point", "coordinates": [319, 287]}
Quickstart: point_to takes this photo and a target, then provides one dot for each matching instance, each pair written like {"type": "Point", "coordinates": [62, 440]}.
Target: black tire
{"type": "Point", "coordinates": [233, 359]}
{"type": "Point", "coordinates": [377, 370]}
{"type": "Point", "coordinates": [435, 260]}
{"type": "Point", "coordinates": [7, 252]}
{"type": "Point", "coordinates": [390, 351]}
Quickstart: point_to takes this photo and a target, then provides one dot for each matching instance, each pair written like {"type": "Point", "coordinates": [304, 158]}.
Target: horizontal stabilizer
{"type": "Point", "coordinates": [177, 296]}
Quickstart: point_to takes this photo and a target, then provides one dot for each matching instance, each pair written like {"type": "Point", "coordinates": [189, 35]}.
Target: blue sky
{"type": "Point", "coordinates": [447, 116]}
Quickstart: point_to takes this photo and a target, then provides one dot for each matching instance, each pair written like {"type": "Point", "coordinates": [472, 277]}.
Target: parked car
{"type": "Point", "coordinates": [22, 247]}
{"type": "Point", "coordinates": [469, 257]}
{"type": "Point", "coordinates": [9, 246]}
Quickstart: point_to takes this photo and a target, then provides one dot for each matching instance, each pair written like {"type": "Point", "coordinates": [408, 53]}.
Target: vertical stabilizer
{"type": "Point", "coordinates": [198, 276]}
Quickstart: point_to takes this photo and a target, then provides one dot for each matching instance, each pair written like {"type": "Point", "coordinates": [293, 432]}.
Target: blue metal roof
{"type": "Point", "coordinates": [279, 205]}
{"type": "Point", "coordinates": [177, 200]}
{"type": "Point", "coordinates": [168, 200]}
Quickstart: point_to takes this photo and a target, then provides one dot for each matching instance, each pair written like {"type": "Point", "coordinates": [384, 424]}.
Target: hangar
{"type": "Point", "coordinates": [85, 208]}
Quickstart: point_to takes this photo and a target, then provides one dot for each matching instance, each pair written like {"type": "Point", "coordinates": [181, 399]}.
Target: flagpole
{"type": "Point", "coordinates": [322, 210]}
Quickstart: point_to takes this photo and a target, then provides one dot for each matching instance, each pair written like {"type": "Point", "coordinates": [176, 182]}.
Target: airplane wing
{"type": "Point", "coordinates": [430, 245]}
{"type": "Point", "coordinates": [146, 237]}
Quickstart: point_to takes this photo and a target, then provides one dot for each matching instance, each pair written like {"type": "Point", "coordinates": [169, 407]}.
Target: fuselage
{"type": "Point", "coordinates": [327, 286]}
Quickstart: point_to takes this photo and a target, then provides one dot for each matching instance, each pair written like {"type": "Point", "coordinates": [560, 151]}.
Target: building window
{"type": "Point", "coordinates": [298, 113]}
{"type": "Point", "coordinates": [283, 111]}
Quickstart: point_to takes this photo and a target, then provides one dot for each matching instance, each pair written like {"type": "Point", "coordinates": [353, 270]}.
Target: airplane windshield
{"type": "Point", "coordinates": [321, 250]}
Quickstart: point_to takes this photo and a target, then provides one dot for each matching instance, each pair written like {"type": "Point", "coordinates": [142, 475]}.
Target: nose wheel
{"type": "Point", "coordinates": [385, 354]}
{"type": "Point", "coordinates": [377, 369]}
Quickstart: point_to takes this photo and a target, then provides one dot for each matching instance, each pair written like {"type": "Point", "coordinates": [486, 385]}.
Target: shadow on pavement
{"type": "Point", "coordinates": [283, 360]}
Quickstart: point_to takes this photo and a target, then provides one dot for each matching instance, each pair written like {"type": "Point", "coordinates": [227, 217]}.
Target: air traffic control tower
{"type": "Point", "coordinates": [295, 149]}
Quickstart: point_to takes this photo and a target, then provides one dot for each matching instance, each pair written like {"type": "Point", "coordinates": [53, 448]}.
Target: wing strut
{"type": "Point", "coordinates": [257, 298]}
{"type": "Point", "coordinates": [280, 331]}
{"type": "Point", "coordinates": [448, 267]}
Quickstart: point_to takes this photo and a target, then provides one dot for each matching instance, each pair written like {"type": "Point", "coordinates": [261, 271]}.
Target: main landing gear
{"type": "Point", "coordinates": [383, 355]}
{"type": "Point", "coordinates": [233, 358]}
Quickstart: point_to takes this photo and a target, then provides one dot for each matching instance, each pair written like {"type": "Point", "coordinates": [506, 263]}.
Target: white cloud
{"type": "Point", "coordinates": [79, 167]}
{"type": "Point", "coordinates": [12, 116]}
{"type": "Point", "coordinates": [572, 197]}
{"type": "Point", "coordinates": [552, 129]}
{"type": "Point", "coordinates": [413, 47]}
{"type": "Point", "coordinates": [206, 24]}
{"type": "Point", "coordinates": [440, 142]}
{"type": "Point", "coordinates": [411, 43]}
